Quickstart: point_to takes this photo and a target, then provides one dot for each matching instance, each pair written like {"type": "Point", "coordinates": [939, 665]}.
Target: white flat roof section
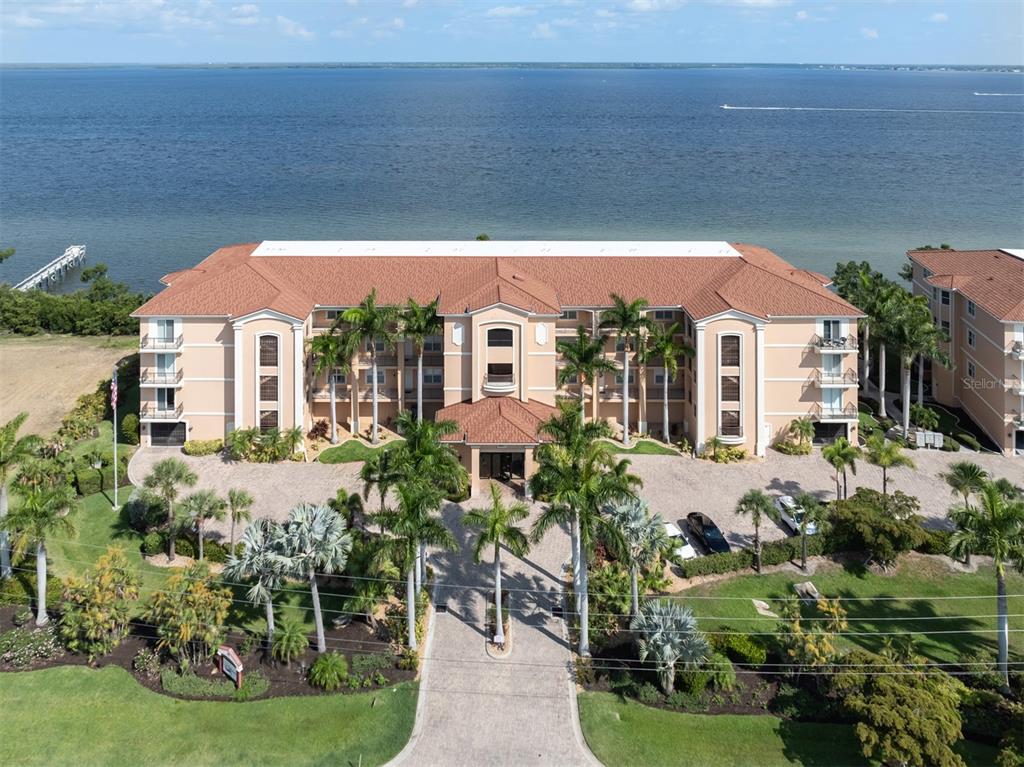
{"type": "Point", "coordinates": [494, 248]}
{"type": "Point", "coordinates": [1015, 252]}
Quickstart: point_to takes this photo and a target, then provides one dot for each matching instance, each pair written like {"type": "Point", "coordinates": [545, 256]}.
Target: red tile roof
{"type": "Point", "coordinates": [992, 279]}
{"type": "Point", "coordinates": [232, 282]}
{"type": "Point", "coordinates": [497, 421]}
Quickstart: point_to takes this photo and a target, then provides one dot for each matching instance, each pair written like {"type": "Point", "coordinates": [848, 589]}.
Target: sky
{"type": "Point", "coordinates": [764, 31]}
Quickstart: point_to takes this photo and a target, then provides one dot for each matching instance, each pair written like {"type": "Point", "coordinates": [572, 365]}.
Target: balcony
{"type": "Point", "coordinates": [1015, 386]}
{"type": "Point", "coordinates": [822, 412]}
{"type": "Point", "coordinates": [614, 393]}
{"type": "Point", "coordinates": [840, 345]}
{"type": "Point", "coordinates": [499, 383]}
{"type": "Point", "coordinates": [386, 359]}
{"type": "Point", "coordinates": [152, 411]}
{"type": "Point", "coordinates": [835, 378]}
{"type": "Point", "coordinates": [383, 393]}
{"type": "Point", "coordinates": [150, 378]}
{"type": "Point", "coordinates": [324, 393]}
{"type": "Point", "coordinates": [150, 343]}
{"type": "Point", "coordinates": [1016, 351]}
{"type": "Point", "coordinates": [1018, 421]}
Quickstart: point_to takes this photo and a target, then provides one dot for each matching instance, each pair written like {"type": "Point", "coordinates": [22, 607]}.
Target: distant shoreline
{"type": "Point", "coordinates": [989, 68]}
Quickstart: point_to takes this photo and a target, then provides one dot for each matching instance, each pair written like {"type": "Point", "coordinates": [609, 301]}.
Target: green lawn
{"type": "Point", "coordinates": [913, 582]}
{"type": "Point", "coordinates": [645, 447]}
{"type": "Point", "coordinates": [627, 733]}
{"type": "Point", "coordinates": [353, 450]}
{"type": "Point", "coordinates": [75, 715]}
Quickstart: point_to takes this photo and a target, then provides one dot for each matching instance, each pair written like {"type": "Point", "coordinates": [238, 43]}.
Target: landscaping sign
{"type": "Point", "coordinates": [230, 664]}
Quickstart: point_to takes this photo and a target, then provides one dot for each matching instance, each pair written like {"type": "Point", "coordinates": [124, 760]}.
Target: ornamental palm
{"type": "Point", "coordinates": [757, 505]}
{"type": "Point", "coordinates": [802, 429]}
{"type": "Point", "coordinates": [668, 634]}
{"type": "Point", "coordinates": [814, 513]}
{"type": "Point", "coordinates": [418, 323]}
{"type": "Point", "coordinates": [239, 510]}
{"type": "Point", "coordinates": [314, 540]}
{"type": "Point", "coordinates": [43, 512]}
{"type": "Point", "coordinates": [995, 527]}
{"type": "Point", "coordinates": [370, 323]}
{"type": "Point", "coordinates": [886, 455]}
{"type": "Point", "coordinates": [663, 344]}
{"type": "Point", "coordinates": [584, 359]}
{"type": "Point", "coordinates": [629, 322]}
{"type": "Point", "coordinates": [261, 559]}
{"type": "Point", "coordinates": [165, 481]}
{"type": "Point", "coordinates": [409, 525]}
{"type": "Point", "coordinates": [381, 470]}
{"type": "Point", "coordinates": [14, 450]}
{"type": "Point", "coordinates": [199, 507]}
{"type": "Point", "coordinates": [841, 456]}
{"type": "Point", "coordinates": [915, 335]}
{"type": "Point", "coordinates": [859, 284]}
{"type": "Point", "coordinates": [640, 539]}
{"type": "Point", "coordinates": [497, 524]}
{"type": "Point", "coordinates": [885, 310]}
{"type": "Point", "coordinates": [329, 355]}
{"type": "Point", "coordinates": [965, 478]}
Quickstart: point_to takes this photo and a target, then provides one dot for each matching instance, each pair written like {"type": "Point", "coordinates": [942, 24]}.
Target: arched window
{"type": "Point", "coordinates": [268, 351]}
{"type": "Point", "coordinates": [499, 337]}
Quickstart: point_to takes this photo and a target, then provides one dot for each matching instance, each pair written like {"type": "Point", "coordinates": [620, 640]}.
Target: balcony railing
{"type": "Point", "coordinates": [1016, 350]}
{"type": "Point", "coordinates": [1018, 421]}
{"type": "Point", "coordinates": [159, 343]}
{"type": "Point", "coordinates": [499, 382]}
{"type": "Point", "coordinates": [151, 411]}
{"type": "Point", "coordinates": [836, 378]}
{"type": "Point", "coordinates": [383, 392]}
{"type": "Point", "coordinates": [161, 377]}
{"type": "Point", "coordinates": [828, 412]}
{"type": "Point", "coordinates": [1016, 386]}
{"type": "Point", "coordinates": [842, 344]}
{"type": "Point", "coordinates": [324, 393]}
{"type": "Point", "coordinates": [615, 392]}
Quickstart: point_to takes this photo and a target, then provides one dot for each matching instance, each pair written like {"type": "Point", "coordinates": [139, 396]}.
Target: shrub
{"type": "Point", "coordinates": [793, 448]}
{"type": "Point", "coordinates": [22, 616]}
{"type": "Point", "coordinates": [189, 685]}
{"type": "Point", "coordinates": [692, 682]}
{"type": "Point", "coordinates": [96, 606]}
{"type": "Point", "coordinates": [739, 648]}
{"type": "Point", "coordinates": [21, 589]}
{"type": "Point", "coordinates": [924, 416]}
{"type": "Point", "coordinates": [152, 544]}
{"type": "Point", "coordinates": [722, 675]}
{"type": "Point", "coordinates": [89, 481]}
{"type": "Point", "coordinates": [684, 701]}
{"type": "Point", "coordinates": [198, 447]}
{"type": "Point", "coordinates": [881, 526]}
{"type": "Point", "coordinates": [189, 614]}
{"type": "Point", "coordinates": [329, 671]}
{"type": "Point", "coordinates": [648, 694]}
{"type": "Point", "coordinates": [22, 646]}
{"type": "Point", "coordinates": [365, 664]}
{"type": "Point", "coordinates": [935, 542]}
{"type": "Point", "coordinates": [130, 429]}
{"type": "Point", "coordinates": [84, 418]}
{"type": "Point", "coordinates": [144, 511]}
{"type": "Point", "coordinates": [146, 663]}
{"type": "Point", "coordinates": [103, 308]}
{"type": "Point", "coordinates": [988, 716]}
{"type": "Point", "coordinates": [290, 641]}
{"type": "Point", "coordinates": [184, 547]}
{"type": "Point", "coordinates": [321, 429]}
{"type": "Point", "coordinates": [979, 670]}
{"type": "Point", "coordinates": [950, 445]}
{"type": "Point", "coordinates": [968, 440]}
{"type": "Point", "coordinates": [409, 660]}
{"type": "Point", "coordinates": [215, 551]}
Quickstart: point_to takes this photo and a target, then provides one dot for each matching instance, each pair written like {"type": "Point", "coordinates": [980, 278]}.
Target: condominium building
{"type": "Point", "coordinates": [977, 297]}
{"type": "Point", "coordinates": [225, 344]}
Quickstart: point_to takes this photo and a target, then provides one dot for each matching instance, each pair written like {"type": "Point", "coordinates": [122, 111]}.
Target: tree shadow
{"type": "Point", "coordinates": [819, 745]}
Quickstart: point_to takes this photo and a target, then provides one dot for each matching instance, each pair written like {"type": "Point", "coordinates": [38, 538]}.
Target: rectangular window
{"type": "Point", "coordinates": [165, 399]}
{"type": "Point", "coordinates": [730, 352]}
{"type": "Point", "coordinates": [268, 388]}
{"type": "Point", "coordinates": [268, 419]}
{"type": "Point", "coordinates": [432, 376]}
{"type": "Point", "coordinates": [971, 308]}
{"type": "Point", "coordinates": [500, 372]}
{"type": "Point", "coordinates": [970, 370]}
{"type": "Point", "coordinates": [659, 377]}
{"type": "Point", "coordinates": [945, 325]}
{"type": "Point", "coordinates": [730, 388]}
{"type": "Point", "coordinates": [331, 315]}
{"type": "Point", "coordinates": [632, 378]}
{"type": "Point", "coordinates": [165, 330]}
{"type": "Point", "coordinates": [380, 377]}
{"type": "Point", "coordinates": [663, 314]}
{"type": "Point", "coordinates": [340, 379]}
{"type": "Point", "coordinates": [378, 344]}
{"type": "Point", "coordinates": [499, 337]}
{"type": "Point", "coordinates": [971, 340]}
{"type": "Point", "coordinates": [268, 351]}
{"type": "Point", "coordinates": [620, 344]}
{"type": "Point", "coordinates": [935, 294]}
{"type": "Point", "coordinates": [730, 423]}
{"type": "Point", "coordinates": [945, 298]}
{"type": "Point", "coordinates": [831, 330]}
{"type": "Point", "coordinates": [569, 314]}
{"type": "Point", "coordinates": [927, 273]}
{"type": "Point", "coordinates": [433, 345]}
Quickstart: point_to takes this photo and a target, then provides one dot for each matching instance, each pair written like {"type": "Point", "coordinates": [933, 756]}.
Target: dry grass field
{"type": "Point", "coordinates": [44, 375]}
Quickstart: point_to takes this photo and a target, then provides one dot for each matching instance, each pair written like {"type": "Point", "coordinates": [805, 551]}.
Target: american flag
{"type": "Point", "coordinates": [113, 389]}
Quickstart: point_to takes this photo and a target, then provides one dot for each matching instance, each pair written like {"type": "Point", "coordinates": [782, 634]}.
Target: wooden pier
{"type": "Point", "coordinates": [53, 273]}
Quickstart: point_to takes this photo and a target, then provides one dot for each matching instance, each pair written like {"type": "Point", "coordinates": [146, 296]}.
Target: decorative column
{"type": "Point", "coordinates": [700, 383]}
{"type": "Point", "coordinates": [238, 355]}
{"type": "Point", "coordinates": [298, 395]}
{"type": "Point", "coordinates": [760, 447]}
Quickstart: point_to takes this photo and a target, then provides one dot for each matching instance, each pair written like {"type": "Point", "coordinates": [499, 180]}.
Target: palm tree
{"type": "Point", "coordinates": [14, 450]}
{"type": "Point", "coordinates": [886, 455]}
{"type": "Point", "coordinates": [802, 429]}
{"type": "Point", "coordinates": [239, 510]}
{"type": "Point", "coordinates": [629, 322]}
{"type": "Point", "coordinates": [370, 323]}
{"type": "Point", "coordinates": [714, 443]}
{"type": "Point", "coordinates": [995, 527]}
{"type": "Point", "coordinates": [640, 539]}
{"type": "Point", "coordinates": [418, 323]}
{"type": "Point", "coordinates": [260, 559]}
{"type": "Point", "coordinates": [965, 478]}
{"type": "Point", "coordinates": [43, 512]}
{"type": "Point", "coordinates": [165, 481]}
{"type": "Point", "coordinates": [814, 513]}
{"type": "Point", "coordinates": [757, 505]}
{"type": "Point", "coordinates": [662, 343]}
{"type": "Point", "coordinates": [584, 360]}
{"type": "Point", "coordinates": [915, 335]}
{"type": "Point", "coordinates": [409, 525]}
{"type": "Point", "coordinates": [668, 634]}
{"type": "Point", "coordinates": [381, 470]}
{"type": "Point", "coordinates": [329, 355]}
{"type": "Point", "coordinates": [884, 310]}
{"type": "Point", "coordinates": [199, 507]}
{"type": "Point", "coordinates": [314, 540]}
{"type": "Point", "coordinates": [497, 525]}
{"type": "Point", "coordinates": [841, 456]}
{"type": "Point", "coordinates": [579, 489]}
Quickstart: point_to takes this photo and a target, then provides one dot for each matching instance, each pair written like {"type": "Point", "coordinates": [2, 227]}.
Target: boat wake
{"type": "Point", "coordinates": [998, 94]}
{"type": "Point", "coordinates": [878, 109]}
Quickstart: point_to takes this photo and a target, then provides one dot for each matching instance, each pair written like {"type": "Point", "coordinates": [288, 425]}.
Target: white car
{"type": "Point", "coordinates": [792, 514]}
{"type": "Point", "coordinates": [683, 548]}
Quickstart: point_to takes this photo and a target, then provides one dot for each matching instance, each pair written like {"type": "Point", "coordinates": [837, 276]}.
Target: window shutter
{"type": "Point", "coordinates": [541, 334]}
{"type": "Point", "coordinates": [457, 331]}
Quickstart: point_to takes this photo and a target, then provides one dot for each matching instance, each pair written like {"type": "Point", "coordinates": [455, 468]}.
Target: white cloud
{"type": "Point", "coordinates": [869, 33]}
{"type": "Point", "coordinates": [802, 15]}
{"type": "Point", "coordinates": [564, 22]}
{"type": "Point", "coordinates": [604, 13]}
{"type": "Point", "coordinates": [409, 3]}
{"type": "Point", "coordinates": [245, 15]}
{"type": "Point", "coordinates": [938, 18]}
{"type": "Point", "coordinates": [291, 28]}
{"type": "Point", "coordinates": [23, 21]}
{"type": "Point", "coordinates": [650, 6]}
{"type": "Point", "coordinates": [544, 31]}
{"type": "Point", "coordinates": [398, 22]}
{"type": "Point", "coordinates": [758, 3]}
{"type": "Point", "coordinates": [510, 11]}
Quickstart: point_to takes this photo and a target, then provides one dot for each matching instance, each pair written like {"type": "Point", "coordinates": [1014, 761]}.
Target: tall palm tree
{"type": "Point", "coordinates": [886, 455]}
{"type": "Point", "coordinates": [757, 505]}
{"type": "Point", "coordinates": [330, 355]}
{"type": "Point", "coordinates": [382, 471]}
{"type": "Point", "coordinates": [314, 541]}
{"type": "Point", "coordinates": [262, 560]}
{"type": "Point", "coordinates": [239, 510]}
{"type": "Point", "coordinates": [418, 323]}
{"type": "Point", "coordinates": [584, 360]}
{"type": "Point", "coordinates": [814, 513]}
{"type": "Point", "coordinates": [915, 335]}
{"type": "Point", "coordinates": [579, 489]}
{"type": "Point", "coordinates": [370, 323]}
{"type": "Point", "coordinates": [802, 429]}
{"type": "Point", "coordinates": [14, 450]}
{"type": "Point", "coordinates": [965, 478]}
{"type": "Point", "coordinates": [859, 284]}
{"type": "Point", "coordinates": [409, 525]}
{"type": "Point", "coordinates": [497, 524]}
{"type": "Point", "coordinates": [662, 344]}
{"type": "Point", "coordinates": [640, 539]}
{"type": "Point", "coordinates": [199, 507]}
{"type": "Point", "coordinates": [841, 456]}
{"type": "Point", "coordinates": [629, 322]}
{"type": "Point", "coordinates": [43, 512]}
{"type": "Point", "coordinates": [995, 527]}
{"type": "Point", "coordinates": [166, 480]}
{"type": "Point", "coordinates": [667, 635]}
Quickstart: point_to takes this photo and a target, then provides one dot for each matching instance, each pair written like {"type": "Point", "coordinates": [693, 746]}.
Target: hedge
{"type": "Point", "coordinates": [197, 447]}
{"type": "Point", "coordinates": [968, 439]}
{"type": "Point", "coordinates": [156, 543]}
{"type": "Point", "coordinates": [91, 481]}
{"type": "Point", "coordinates": [772, 553]}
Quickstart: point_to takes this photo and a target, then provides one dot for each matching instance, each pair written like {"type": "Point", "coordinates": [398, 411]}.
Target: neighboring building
{"type": "Point", "coordinates": [977, 296]}
{"type": "Point", "coordinates": [223, 346]}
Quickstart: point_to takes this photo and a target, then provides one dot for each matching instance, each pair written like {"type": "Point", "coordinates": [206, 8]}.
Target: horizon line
{"type": "Point", "coordinates": [470, 63]}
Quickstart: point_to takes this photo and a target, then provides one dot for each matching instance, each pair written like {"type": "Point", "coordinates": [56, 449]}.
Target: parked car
{"type": "Point", "coordinates": [792, 514]}
{"type": "Point", "coordinates": [683, 549]}
{"type": "Point", "coordinates": [707, 532]}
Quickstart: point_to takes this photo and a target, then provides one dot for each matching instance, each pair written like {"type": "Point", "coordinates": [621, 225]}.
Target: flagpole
{"type": "Point", "coordinates": [113, 403]}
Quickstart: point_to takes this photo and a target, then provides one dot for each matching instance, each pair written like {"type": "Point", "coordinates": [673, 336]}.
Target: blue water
{"type": "Point", "coordinates": [154, 168]}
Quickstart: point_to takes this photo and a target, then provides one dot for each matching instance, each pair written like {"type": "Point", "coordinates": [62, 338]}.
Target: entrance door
{"type": "Point", "coordinates": [167, 434]}
{"type": "Point", "coordinates": [501, 466]}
